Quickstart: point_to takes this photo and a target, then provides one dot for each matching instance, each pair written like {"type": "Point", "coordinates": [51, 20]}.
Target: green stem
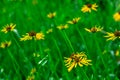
{"type": "Point", "coordinates": [57, 47]}
{"type": "Point", "coordinates": [59, 53]}
{"type": "Point", "coordinates": [99, 50]}
{"type": "Point", "coordinates": [19, 47]}
{"type": "Point", "coordinates": [82, 38]}
{"type": "Point", "coordinates": [41, 52]}
{"type": "Point", "coordinates": [84, 74]}
{"type": "Point", "coordinates": [15, 41]}
{"type": "Point", "coordinates": [68, 41]}
{"type": "Point", "coordinates": [17, 69]}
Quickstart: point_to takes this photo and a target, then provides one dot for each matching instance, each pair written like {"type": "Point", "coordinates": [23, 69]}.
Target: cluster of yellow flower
{"type": "Point", "coordinates": [31, 35]}
{"type": "Point", "coordinates": [31, 75]}
{"type": "Point", "coordinates": [88, 8]}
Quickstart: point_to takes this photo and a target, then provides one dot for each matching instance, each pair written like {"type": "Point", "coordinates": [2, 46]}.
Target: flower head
{"type": "Point", "coordinates": [89, 7]}
{"type": "Point", "coordinates": [5, 44]}
{"type": "Point", "coordinates": [112, 36]}
{"type": "Point", "coordinates": [94, 29]}
{"type": "Point", "coordinates": [116, 16]}
{"type": "Point", "coordinates": [39, 36]}
{"type": "Point", "coordinates": [33, 70]}
{"type": "Point", "coordinates": [32, 35]}
{"type": "Point", "coordinates": [8, 28]}
{"type": "Point", "coordinates": [117, 52]}
{"type": "Point", "coordinates": [76, 59]}
{"type": "Point", "coordinates": [34, 2]}
{"type": "Point", "coordinates": [61, 27]}
{"type": "Point", "coordinates": [49, 31]}
{"type": "Point", "coordinates": [51, 15]}
{"type": "Point", "coordinates": [31, 77]}
{"type": "Point", "coordinates": [74, 21]}
{"type": "Point", "coordinates": [36, 55]}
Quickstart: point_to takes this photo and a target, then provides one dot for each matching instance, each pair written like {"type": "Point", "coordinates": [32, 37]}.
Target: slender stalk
{"type": "Point", "coordinates": [68, 41]}
{"type": "Point", "coordinates": [83, 72]}
{"type": "Point", "coordinates": [17, 69]}
{"type": "Point", "coordinates": [82, 38]}
{"type": "Point", "coordinates": [59, 53]}
{"type": "Point", "coordinates": [41, 52]}
{"type": "Point", "coordinates": [19, 47]}
{"type": "Point", "coordinates": [15, 40]}
{"type": "Point", "coordinates": [99, 50]}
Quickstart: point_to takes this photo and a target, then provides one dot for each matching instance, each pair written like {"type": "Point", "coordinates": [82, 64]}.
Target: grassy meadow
{"type": "Point", "coordinates": [59, 40]}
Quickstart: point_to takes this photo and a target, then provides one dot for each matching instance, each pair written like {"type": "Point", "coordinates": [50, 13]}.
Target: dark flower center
{"type": "Point", "coordinates": [32, 33]}
{"type": "Point", "coordinates": [119, 12]}
{"type": "Point", "coordinates": [93, 29]}
{"type": "Point", "coordinates": [117, 33]}
{"type": "Point", "coordinates": [89, 5]}
{"type": "Point", "coordinates": [75, 58]}
{"type": "Point", "coordinates": [6, 44]}
{"type": "Point", "coordinates": [72, 56]}
{"type": "Point", "coordinates": [74, 21]}
{"type": "Point", "coordinates": [8, 28]}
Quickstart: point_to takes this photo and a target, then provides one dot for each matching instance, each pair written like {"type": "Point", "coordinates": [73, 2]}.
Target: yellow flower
{"type": "Point", "coordinates": [32, 35]}
{"type": "Point", "coordinates": [116, 16]}
{"type": "Point", "coordinates": [33, 71]}
{"type": "Point", "coordinates": [89, 7]}
{"type": "Point", "coordinates": [31, 77]}
{"type": "Point", "coordinates": [112, 36]}
{"type": "Point", "coordinates": [36, 55]}
{"type": "Point", "coordinates": [8, 28]}
{"type": "Point", "coordinates": [5, 44]}
{"type": "Point", "coordinates": [76, 59]}
{"type": "Point", "coordinates": [117, 53]}
{"type": "Point", "coordinates": [28, 36]}
{"type": "Point", "coordinates": [51, 15]}
{"type": "Point", "coordinates": [39, 36]}
{"type": "Point", "coordinates": [94, 29]}
{"type": "Point", "coordinates": [49, 31]}
{"type": "Point", "coordinates": [74, 21]}
{"type": "Point", "coordinates": [62, 27]}
{"type": "Point", "coordinates": [34, 2]}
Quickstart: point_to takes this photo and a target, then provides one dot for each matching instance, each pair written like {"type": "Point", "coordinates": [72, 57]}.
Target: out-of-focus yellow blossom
{"type": "Point", "coordinates": [8, 28]}
{"type": "Point", "coordinates": [74, 21]}
{"type": "Point", "coordinates": [36, 55]}
{"type": "Point", "coordinates": [5, 44]}
{"type": "Point", "coordinates": [49, 31]}
{"type": "Point", "coordinates": [89, 7]}
{"type": "Point", "coordinates": [32, 35]}
{"type": "Point", "coordinates": [112, 36]}
{"type": "Point", "coordinates": [61, 27]}
{"type": "Point", "coordinates": [33, 71]}
{"type": "Point", "coordinates": [51, 15]}
{"type": "Point", "coordinates": [94, 29]}
{"type": "Point", "coordinates": [117, 53]}
{"type": "Point", "coordinates": [76, 59]}
{"type": "Point", "coordinates": [34, 2]}
{"type": "Point", "coordinates": [116, 16]}
{"type": "Point", "coordinates": [40, 36]}
{"type": "Point", "coordinates": [31, 77]}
